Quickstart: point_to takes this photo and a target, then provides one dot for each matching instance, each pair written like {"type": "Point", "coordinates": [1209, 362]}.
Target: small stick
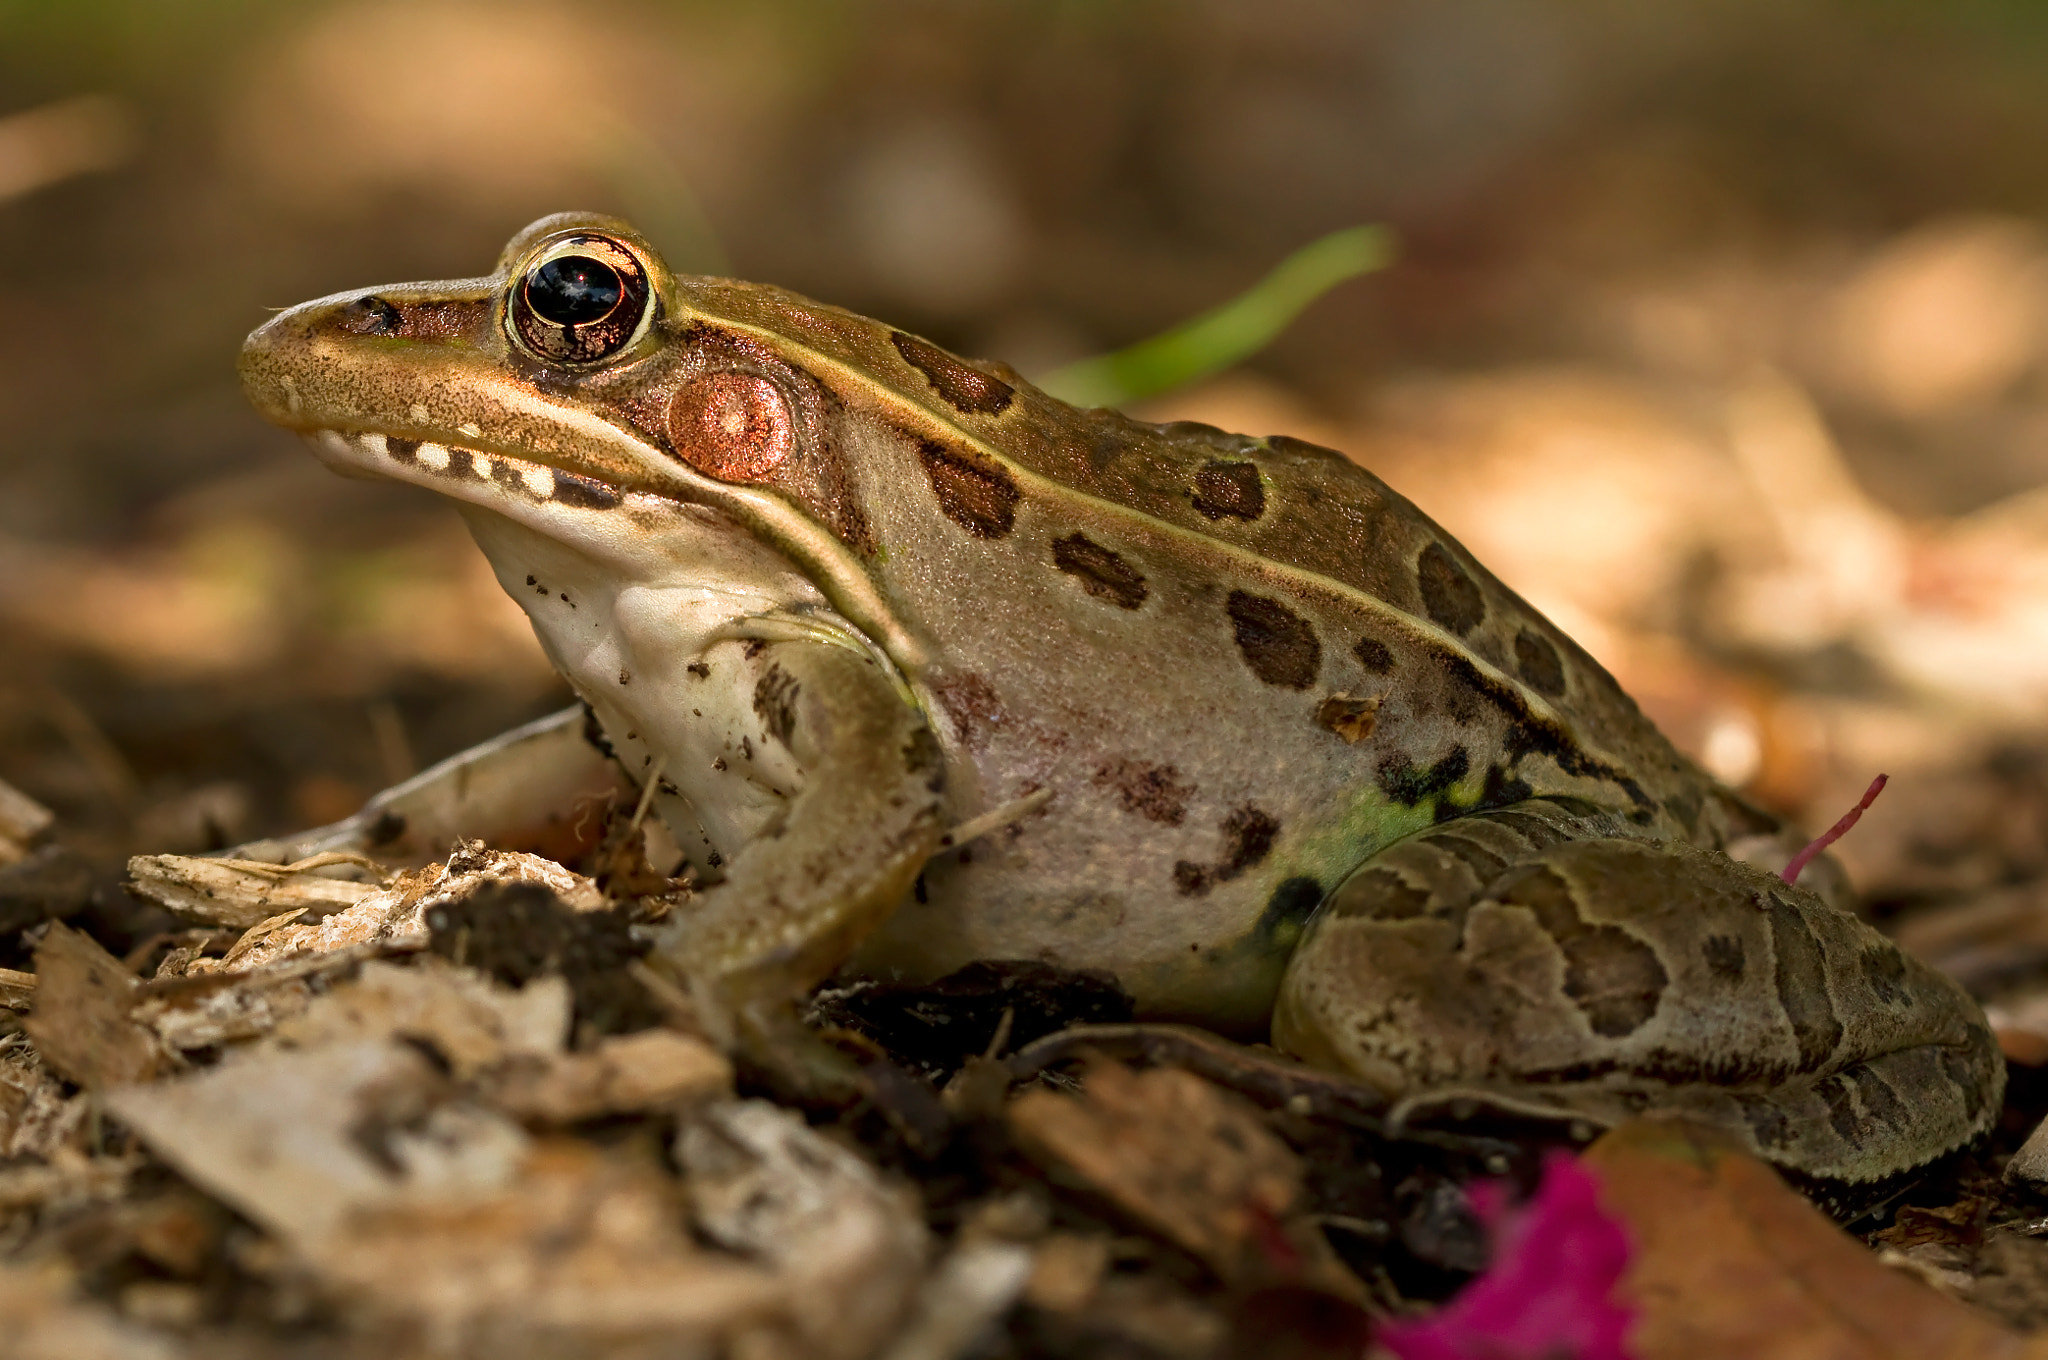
{"type": "Point", "coordinates": [1835, 832]}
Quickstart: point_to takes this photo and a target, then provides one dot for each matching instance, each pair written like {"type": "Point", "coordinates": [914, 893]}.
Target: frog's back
{"type": "Point", "coordinates": [1429, 618]}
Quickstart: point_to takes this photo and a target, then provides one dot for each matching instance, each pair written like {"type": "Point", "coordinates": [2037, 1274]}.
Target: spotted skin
{"type": "Point", "coordinates": [1219, 673]}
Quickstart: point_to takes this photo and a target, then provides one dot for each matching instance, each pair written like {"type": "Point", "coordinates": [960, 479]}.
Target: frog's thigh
{"type": "Point", "coordinates": [1607, 976]}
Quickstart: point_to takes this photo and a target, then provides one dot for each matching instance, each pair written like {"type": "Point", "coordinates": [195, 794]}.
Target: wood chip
{"type": "Point", "coordinates": [83, 1019]}
{"type": "Point", "coordinates": [237, 894]}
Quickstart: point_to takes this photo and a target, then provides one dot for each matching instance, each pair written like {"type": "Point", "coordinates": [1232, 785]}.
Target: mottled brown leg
{"type": "Point", "coordinates": [1541, 953]}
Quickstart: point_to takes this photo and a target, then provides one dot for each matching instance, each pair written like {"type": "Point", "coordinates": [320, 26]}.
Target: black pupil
{"type": "Point", "coordinates": [573, 290]}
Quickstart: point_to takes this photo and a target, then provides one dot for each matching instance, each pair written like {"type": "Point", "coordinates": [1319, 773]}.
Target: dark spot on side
{"type": "Point", "coordinates": [1374, 655]}
{"type": "Point", "coordinates": [718, 763]}
{"type": "Point", "coordinates": [747, 748]}
{"type": "Point", "coordinates": [1277, 643]}
{"type": "Point", "coordinates": [1802, 986]}
{"type": "Point", "coordinates": [1154, 792]}
{"type": "Point", "coordinates": [1350, 718]}
{"type": "Point", "coordinates": [1102, 573]}
{"type": "Point", "coordinates": [1503, 789]}
{"type": "Point", "coordinates": [1287, 911]}
{"type": "Point", "coordinates": [1408, 784]}
{"type": "Point", "coordinates": [403, 449]}
{"type": "Point", "coordinates": [1725, 957]}
{"type": "Point", "coordinates": [1378, 894]}
{"type": "Point", "coordinates": [972, 705]}
{"type": "Point", "coordinates": [625, 677]}
{"type": "Point", "coordinates": [1468, 690]}
{"type": "Point", "coordinates": [973, 491]}
{"type": "Point", "coordinates": [583, 492]}
{"type": "Point", "coordinates": [388, 827]}
{"type": "Point", "coordinates": [1537, 659]}
{"type": "Point", "coordinates": [775, 703]}
{"type": "Point", "coordinates": [1248, 835]}
{"type": "Point", "coordinates": [1614, 979]}
{"type": "Point", "coordinates": [698, 670]}
{"type": "Point", "coordinates": [1884, 968]}
{"type": "Point", "coordinates": [1231, 489]}
{"type": "Point", "coordinates": [753, 647]}
{"type": "Point", "coordinates": [1452, 598]}
{"type": "Point", "coordinates": [919, 891]}
{"type": "Point", "coordinates": [965, 389]}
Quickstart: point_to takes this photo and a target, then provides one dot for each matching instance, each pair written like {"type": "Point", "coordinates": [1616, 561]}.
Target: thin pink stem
{"type": "Point", "coordinates": [1835, 832]}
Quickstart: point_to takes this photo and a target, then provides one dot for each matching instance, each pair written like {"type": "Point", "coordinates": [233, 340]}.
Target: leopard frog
{"type": "Point", "coordinates": [1242, 726]}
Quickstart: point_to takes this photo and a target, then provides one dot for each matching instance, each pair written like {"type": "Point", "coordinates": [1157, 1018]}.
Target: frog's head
{"type": "Point", "coordinates": [583, 381]}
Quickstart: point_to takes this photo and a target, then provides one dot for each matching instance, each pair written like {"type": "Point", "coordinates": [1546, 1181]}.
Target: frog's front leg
{"type": "Point", "coordinates": [865, 813]}
{"type": "Point", "coordinates": [1539, 953]}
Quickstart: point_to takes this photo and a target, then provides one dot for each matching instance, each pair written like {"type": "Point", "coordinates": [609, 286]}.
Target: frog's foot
{"type": "Point", "coordinates": [1531, 952]}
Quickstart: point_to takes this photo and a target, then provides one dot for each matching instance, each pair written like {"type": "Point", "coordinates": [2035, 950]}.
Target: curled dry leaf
{"type": "Point", "coordinates": [1190, 1162]}
{"type": "Point", "coordinates": [1733, 1264]}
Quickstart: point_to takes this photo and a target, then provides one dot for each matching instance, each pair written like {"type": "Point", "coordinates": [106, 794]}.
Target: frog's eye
{"type": "Point", "coordinates": [581, 300]}
{"type": "Point", "coordinates": [733, 426]}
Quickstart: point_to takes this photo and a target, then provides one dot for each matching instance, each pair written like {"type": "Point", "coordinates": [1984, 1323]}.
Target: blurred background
{"type": "Point", "coordinates": [1719, 329]}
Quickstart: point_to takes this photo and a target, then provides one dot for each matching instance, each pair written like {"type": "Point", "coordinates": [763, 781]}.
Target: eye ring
{"type": "Point", "coordinates": [581, 300]}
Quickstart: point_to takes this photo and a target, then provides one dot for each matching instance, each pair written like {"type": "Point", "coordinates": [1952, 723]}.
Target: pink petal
{"type": "Point", "coordinates": [1549, 1294]}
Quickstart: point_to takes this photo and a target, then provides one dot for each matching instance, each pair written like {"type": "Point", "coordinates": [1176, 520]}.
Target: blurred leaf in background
{"type": "Point", "coordinates": [1228, 334]}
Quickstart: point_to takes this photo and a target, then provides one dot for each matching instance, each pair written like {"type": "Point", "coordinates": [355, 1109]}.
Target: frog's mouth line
{"type": "Point", "coordinates": [427, 463]}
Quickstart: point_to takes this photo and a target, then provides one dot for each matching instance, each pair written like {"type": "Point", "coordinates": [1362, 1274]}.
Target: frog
{"type": "Point", "coordinates": [921, 667]}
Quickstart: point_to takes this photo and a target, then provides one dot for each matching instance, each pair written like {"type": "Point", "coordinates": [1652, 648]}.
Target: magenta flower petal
{"type": "Point", "coordinates": [1549, 1294]}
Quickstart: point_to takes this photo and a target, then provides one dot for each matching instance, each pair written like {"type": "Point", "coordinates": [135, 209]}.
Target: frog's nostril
{"type": "Point", "coordinates": [370, 315]}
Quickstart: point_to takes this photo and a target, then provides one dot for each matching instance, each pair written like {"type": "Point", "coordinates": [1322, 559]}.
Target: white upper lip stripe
{"type": "Point", "coordinates": [536, 481]}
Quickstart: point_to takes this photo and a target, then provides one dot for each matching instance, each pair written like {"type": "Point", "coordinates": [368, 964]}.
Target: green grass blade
{"type": "Point", "coordinates": [1227, 334]}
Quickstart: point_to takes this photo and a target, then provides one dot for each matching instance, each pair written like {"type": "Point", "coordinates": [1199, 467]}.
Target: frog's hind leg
{"type": "Point", "coordinates": [1541, 953]}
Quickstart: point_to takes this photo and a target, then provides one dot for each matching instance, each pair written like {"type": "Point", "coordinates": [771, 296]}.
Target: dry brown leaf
{"type": "Point", "coordinates": [83, 1021]}
{"type": "Point", "coordinates": [1190, 1161]}
{"type": "Point", "coordinates": [1733, 1264]}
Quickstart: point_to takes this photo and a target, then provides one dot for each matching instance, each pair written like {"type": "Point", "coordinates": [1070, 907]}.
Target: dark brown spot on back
{"type": "Point", "coordinates": [1451, 597]}
{"type": "Point", "coordinates": [1351, 718]}
{"type": "Point", "coordinates": [1101, 572]}
{"type": "Point", "coordinates": [1374, 655]}
{"type": "Point", "coordinates": [973, 491]}
{"type": "Point", "coordinates": [1154, 792]}
{"type": "Point", "coordinates": [1231, 489]}
{"type": "Point", "coordinates": [1802, 986]}
{"type": "Point", "coordinates": [965, 389]}
{"type": "Point", "coordinates": [1277, 643]}
{"type": "Point", "coordinates": [1539, 663]}
{"type": "Point", "coordinates": [1248, 835]}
